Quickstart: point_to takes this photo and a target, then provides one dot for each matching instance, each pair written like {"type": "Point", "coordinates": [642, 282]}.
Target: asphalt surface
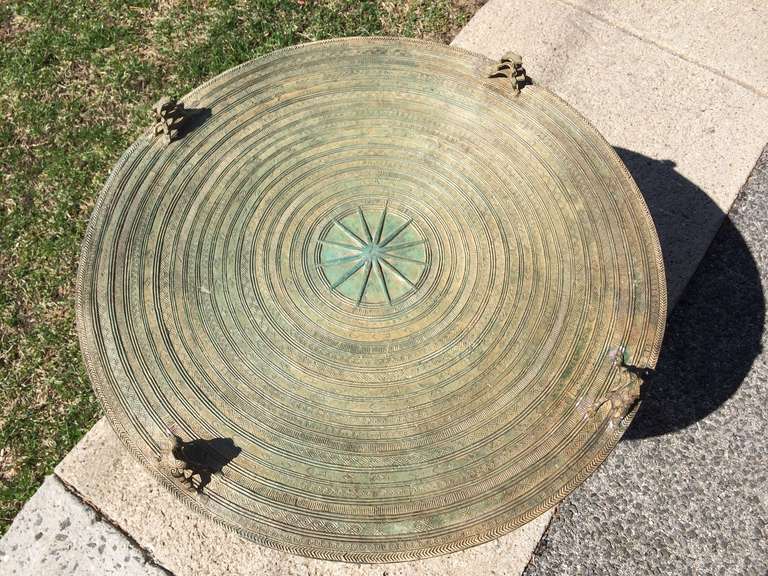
{"type": "Point", "coordinates": [686, 491]}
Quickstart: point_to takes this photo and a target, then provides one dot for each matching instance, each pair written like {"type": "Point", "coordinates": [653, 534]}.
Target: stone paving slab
{"type": "Point", "coordinates": [686, 491]}
{"type": "Point", "coordinates": [102, 472]}
{"type": "Point", "coordinates": [55, 534]}
{"type": "Point", "coordinates": [729, 37]}
{"type": "Point", "coordinates": [650, 102]}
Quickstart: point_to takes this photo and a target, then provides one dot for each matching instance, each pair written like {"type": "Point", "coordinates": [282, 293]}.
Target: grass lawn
{"type": "Point", "coordinates": [77, 79]}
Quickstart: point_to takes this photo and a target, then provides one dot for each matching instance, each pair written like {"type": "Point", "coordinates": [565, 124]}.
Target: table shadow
{"type": "Point", "coordinates": [714, 331]}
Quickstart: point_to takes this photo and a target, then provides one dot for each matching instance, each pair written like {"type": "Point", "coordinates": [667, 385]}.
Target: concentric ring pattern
{"type": "Point", "coordinates": [393, 398]}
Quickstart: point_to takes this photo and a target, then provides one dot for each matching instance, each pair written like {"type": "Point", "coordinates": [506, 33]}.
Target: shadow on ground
{"type": "Point", "coordinates": [714, 331]}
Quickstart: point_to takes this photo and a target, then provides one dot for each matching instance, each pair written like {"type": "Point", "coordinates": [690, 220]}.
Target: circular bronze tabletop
{"type": "Point", "coordinates": [411, 290]}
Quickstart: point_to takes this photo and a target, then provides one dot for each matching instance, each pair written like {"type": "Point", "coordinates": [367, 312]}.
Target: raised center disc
{"type": "Point", "coordinates": [372, 252]}
{"type": "Point", "coordinates": [228, 286]}
{"type": "Point", "coordinates": [373, 256]}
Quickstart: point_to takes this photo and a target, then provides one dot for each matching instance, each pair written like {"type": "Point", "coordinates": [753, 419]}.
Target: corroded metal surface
{"type": "Point", "coordinates": [413, 291]}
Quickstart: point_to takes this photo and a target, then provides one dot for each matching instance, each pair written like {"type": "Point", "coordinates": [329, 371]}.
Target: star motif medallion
{"type": "Point", "coordinates": [376, 264]}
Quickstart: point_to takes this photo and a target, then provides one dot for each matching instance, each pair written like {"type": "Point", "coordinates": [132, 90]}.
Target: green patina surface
{"type": "Point", "coordinates": [76, 86]}
{"type": "Point", "coordinates": [385, 247]}
{"type": "Point", "coordinates": [330, 270]}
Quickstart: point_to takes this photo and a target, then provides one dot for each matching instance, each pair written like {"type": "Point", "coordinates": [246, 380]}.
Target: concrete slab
{"type": "Point", "coordinates": [650, 102]}
{"type": "Point", "coordinates": [729, 37]}
{"type": "Point", "coordinates": [687, 491]}
{"type": "Point", "coordinates": [56, 534]}
{"type": "Point", "coordinates": [104, 474]}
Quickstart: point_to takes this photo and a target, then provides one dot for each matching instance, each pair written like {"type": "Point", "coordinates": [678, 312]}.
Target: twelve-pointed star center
{"type": "Point", "coordinates": [373, 256]}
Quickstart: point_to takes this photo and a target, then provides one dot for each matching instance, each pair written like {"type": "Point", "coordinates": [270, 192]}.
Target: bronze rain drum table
{"type": "Point", "coordinates": [412, 293]}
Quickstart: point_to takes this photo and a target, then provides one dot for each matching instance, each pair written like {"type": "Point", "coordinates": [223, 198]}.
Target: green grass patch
{"type": "Point", "coordinates": [77, 79]}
